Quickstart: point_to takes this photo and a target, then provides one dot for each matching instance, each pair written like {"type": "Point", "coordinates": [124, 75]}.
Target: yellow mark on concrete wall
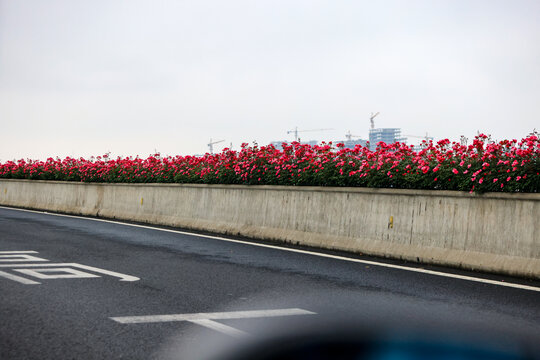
{"type": "Point", "coordinates": [5, 190]}
{"type": "Point", "coordinates": [391, 222]}
{"type": "Point", "coordinates": [141, 201]}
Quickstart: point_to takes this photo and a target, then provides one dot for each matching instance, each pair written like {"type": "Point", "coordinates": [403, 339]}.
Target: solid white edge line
{"type": "Point", "coordinates": [368, 262]}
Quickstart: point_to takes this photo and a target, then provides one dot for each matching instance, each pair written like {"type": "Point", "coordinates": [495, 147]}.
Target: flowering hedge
{"type": "Point", "coordinates": [483, 166]}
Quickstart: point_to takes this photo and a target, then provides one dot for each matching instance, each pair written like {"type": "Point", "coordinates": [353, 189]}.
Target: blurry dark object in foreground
{"type": "Point", "coordinates": [355, 345]}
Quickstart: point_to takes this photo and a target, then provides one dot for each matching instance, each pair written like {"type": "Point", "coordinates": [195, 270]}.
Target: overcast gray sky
{"type": "Point", "coordinates": [84, 78]}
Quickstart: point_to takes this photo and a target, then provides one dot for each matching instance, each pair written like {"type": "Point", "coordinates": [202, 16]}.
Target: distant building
{"type": "Point", "coordinates": [278, 144]}
{"type": "Point", "coordinates": [419, 147]}
{"type": "Point", "coordinates": [386, 135]}
{"type": "Point", "coordinates": [351, 144]}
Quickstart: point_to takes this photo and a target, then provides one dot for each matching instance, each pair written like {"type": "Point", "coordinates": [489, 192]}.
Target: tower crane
{"type": "Point", "coordinates": [296, 131]}
{"type": "Point", "coordinates": [426, 137]}
{"type": "Point", "coordinates": [371, 119]}
{"type": "Point", "coordinates": [211, 145]}
{"type": "Point", "coordinates": [349, 136]}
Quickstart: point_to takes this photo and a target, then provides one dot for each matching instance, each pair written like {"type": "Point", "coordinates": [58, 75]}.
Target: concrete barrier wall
{"type": "Point", "coordinates": [493, 232]}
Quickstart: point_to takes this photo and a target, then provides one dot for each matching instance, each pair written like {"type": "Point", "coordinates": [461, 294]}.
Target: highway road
{"type": "Point", "coordinates": [83, 288]}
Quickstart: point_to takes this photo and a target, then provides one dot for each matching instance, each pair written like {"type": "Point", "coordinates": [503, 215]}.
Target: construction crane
{"type": "Point", "coordinates": [371, 119]}
{"type": "Point", "coordinates": [211, 145]}
{"type": "Point", "coordinates": [349, 136]}
{"type": "Point", "coordinates": [296, 131]}
{"type": "Point", "coordinates": [426, 137]}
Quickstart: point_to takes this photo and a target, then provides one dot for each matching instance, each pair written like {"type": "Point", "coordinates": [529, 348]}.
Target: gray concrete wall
{"type": "Point", "coordinates": [492, 232]}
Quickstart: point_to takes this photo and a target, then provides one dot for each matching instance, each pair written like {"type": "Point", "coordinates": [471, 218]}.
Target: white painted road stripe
{"type": "Point", "coordinates": [368, 262]}
{"type": "Point", "coordinates": [18, 278]}
{"type": "Point", "coordinates": [207, 319]}
{"type": "Point", "coordinates": [18, 252]}
{"type": "Point", "coordinates": [61, 273]}
{"type": "Point", "coordinates": [19, 258]}
{"type": "Point", "coordinates": [123, 277]}
{"type": "Point", "coordinates": [225, 329]}
{"type": "Point", "coordinates": [211, 316]}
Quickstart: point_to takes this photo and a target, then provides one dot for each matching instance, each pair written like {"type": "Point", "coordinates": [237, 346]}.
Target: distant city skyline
{"type": "Point", "coordinates": [84, 78]}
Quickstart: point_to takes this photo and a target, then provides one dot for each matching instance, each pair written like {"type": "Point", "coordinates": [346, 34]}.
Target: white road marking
{"type": "Point", "coordinates": [307, 252]}
{"type": "Point", "coordinates": [19, 258]}
{"type": "Point", "coordinates": [225, 329]}
{"type": "Point", "coordinates": [65, 273]}
{"type": "Point", "coordinates": [207, 319]}
{"type": "Point", "coordinates": [18, 252]}
{"type": "Point", "coordinates": [18, 278]}
{"type": "Point", "coordinates": [211, 316]}
{"type": "Point", "coordinates": [123, 277]}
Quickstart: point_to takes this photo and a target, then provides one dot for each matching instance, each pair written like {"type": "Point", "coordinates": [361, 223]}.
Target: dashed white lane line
{"type": "Point", "coordinates": [299, 251]}
{"type": "Point", "coordinates": [207, 319]}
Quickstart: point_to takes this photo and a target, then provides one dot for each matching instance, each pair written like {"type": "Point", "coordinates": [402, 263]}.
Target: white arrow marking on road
{"type": "Point", "coordinates": [206, 319]}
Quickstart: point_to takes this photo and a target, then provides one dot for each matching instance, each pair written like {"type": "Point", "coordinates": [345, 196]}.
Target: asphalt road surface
{"type": "Point", "coordinates": [82, 288]}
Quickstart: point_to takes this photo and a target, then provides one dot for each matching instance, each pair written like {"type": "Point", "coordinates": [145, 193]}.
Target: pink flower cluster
{"type": "Point", "coordinates": [484, 165]}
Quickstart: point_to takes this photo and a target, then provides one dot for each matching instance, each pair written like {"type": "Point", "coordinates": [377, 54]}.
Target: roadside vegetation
{"type": "Point", "coordinates": [483, 166]}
